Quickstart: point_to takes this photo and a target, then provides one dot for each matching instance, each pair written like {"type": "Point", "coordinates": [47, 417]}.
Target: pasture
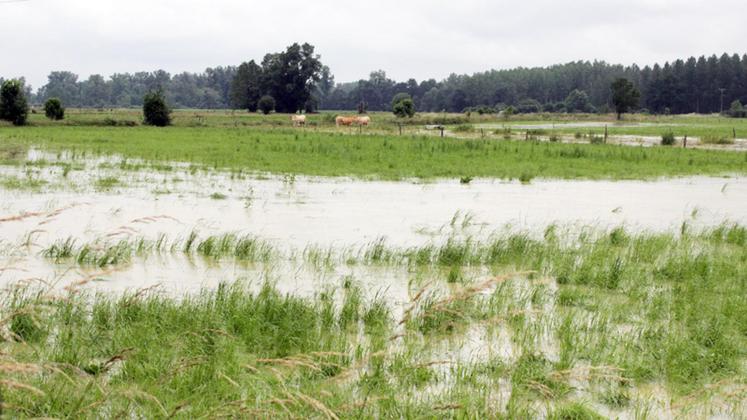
{"type": "Point", "coordinates": [233, 265]}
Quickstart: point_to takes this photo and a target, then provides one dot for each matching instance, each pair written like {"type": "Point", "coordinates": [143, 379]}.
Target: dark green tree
{"type": "Point", "coordinates": [13, 104]}
{"type": "Point", "coordinates": [266, 104]}
{"type": "Point", "coordinates": [736, 110]}
{"type": "Point", "coordinates": [155, 109]}
{"type": "Point", "coordinates": [290, 77]}
{"type": "Point", "coordinates": [246, 87]}
{"type": "Point", "coordinates": [624, 96]}
{"type": "Point", "coordinates": [403, 105]}
{"type": "Point", "coordinates": [53, 109]}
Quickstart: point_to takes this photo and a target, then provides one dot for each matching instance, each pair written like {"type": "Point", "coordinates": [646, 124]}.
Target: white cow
{"type": "Point", "coordinates": [298, 120]}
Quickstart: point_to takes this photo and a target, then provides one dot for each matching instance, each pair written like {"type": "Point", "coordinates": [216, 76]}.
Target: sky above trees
{"type": "Point", "coordinates": [417, 38]}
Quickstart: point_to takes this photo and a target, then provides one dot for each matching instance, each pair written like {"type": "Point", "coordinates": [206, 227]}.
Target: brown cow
{"type": "Point", "coordinates": [340, 120]}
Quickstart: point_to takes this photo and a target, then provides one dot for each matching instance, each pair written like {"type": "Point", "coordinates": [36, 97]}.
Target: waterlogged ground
{"type": "Point", "coordinates": [545, 298]}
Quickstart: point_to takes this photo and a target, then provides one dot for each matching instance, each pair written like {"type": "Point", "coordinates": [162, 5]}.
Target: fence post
{"type": "Point", "coordinates": [442, 131]}
{"type": "Point", "coordinates": [684, 142]}
{"type": "Point", "coordinates": [605, 134]}
{"type": "Point", "coordinates": [400, 128]}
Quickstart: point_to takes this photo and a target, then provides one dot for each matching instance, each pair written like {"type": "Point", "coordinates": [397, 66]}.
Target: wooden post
{"type": "Point", "coordinates": [482, 133]}
{"type": "Point", "coordinates": [442, 131]}
{"type": "Point", "coordinates": [605, 134]}
{"type": "Point", "coordinates": [684, 142]}
{"type": "Point", "coordinates": [400, 128]}
{"type": "Point", "coordinates": [526, 135]}
{"type": "Point", "coordinates": [734, 132]}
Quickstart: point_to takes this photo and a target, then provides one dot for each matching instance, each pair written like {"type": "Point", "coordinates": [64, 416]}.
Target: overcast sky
{"type": "Point", "coordinates": [406, 38]}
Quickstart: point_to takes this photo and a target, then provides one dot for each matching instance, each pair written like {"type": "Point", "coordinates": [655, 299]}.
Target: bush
{"type": "Point", "coordinates": [13, 105]}
{"type": "Point", "coordinates": [667, 139]}
{"type": "Point", "coordinates": [155, 109]}
{"type": "Point", "coordinates": [403, 106]}
{"type": "Point", "coordinates": [266, 104]}
{"type": "Point", "coordinates": [53, 109]}
{"type": "Point", "coordinates": [737, 110]}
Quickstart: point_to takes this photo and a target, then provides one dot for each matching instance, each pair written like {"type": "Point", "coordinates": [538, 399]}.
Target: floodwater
{"type": "Point", "coordinates": [331, 212]}
{"type": "Point", "coordinates": [294, 213]}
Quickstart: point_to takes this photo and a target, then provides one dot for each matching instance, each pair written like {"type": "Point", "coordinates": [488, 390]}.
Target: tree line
{"type": "Point", "coordinates": [295, 80]}
{"type": "Point", "coordinates": [694, 85]}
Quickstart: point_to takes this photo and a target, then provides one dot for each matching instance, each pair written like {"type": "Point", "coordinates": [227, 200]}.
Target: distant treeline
{"type": "Point", "coordinates": [684, 86]}
{"type": "Point", "coordinates": [701, 85]}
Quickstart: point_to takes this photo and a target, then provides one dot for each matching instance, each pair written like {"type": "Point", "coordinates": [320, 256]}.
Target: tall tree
{"type": "Point", "coordinates": [290, 76]}
{"type": "Point", "coordinates": [246, 87]}
{"type": "Point", "coordinates": [624, 96]}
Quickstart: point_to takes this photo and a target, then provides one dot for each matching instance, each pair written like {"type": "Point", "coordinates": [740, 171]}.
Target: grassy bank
{"type": "Point", "coordinates": [310, 152]}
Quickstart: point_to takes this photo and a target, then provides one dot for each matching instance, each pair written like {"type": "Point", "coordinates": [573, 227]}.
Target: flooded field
{"type": "Point", "coordinates": [489, 296]}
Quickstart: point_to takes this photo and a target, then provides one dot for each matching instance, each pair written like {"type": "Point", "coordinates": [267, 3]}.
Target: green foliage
{"type": "Point", "coordinates": [266, 104]}
{"type": "Point", "coordinates": [53, 109]}
{"type": "Point", "coordinates": [13, 105]}
{"type": "Point", "coordinates": [246, 86]}
{"type": "Point", "coordinates": [403, 105]}
{"type": "Point", "coordinates": [155, 110]}
{"type": "Point", "coordinates": [624, 96]}
{"type": "Point", "coordinates": [528, 106]}
{"type": "Point", "coordinates": [737, 110]}
{"type": "Point", "coordinates": [578, 101]}
{"type": "Point", "coordinates": [289, 76]}
{"type": "Point", "coordinates": [667, 139]}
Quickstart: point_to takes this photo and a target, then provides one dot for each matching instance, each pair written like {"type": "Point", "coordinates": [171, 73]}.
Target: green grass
{"type": "Point", "coordinates": [381, 156]}
{"type": "Point", "coordinates": [651, 126]}
{"type": "Point", "coordinates": [618, 310]}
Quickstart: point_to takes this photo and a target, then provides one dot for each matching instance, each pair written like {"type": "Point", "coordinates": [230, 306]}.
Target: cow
{"type": "Point", "coordinates": [363, 120]}
{"type": "Point", "coordinates": [340, 120]}
{"type": "Point", "coordinates": [298, 120]}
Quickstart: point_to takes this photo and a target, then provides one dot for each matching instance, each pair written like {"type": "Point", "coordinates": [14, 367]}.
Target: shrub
{"type": "Point", "coordinates": [667, 139]}
{"type": "Point", "coordinates": [737, 110]}
{"type": "Point", "coordinates": [155, 110]}
{"type": "Point", "coordinates": [53, 109]}
{"type": "Point", "coordinates": [13, 105]}
{"type": "Point", "coordinates": [266, 104]}
{"type": "Point", "coordinates": [403, 106]}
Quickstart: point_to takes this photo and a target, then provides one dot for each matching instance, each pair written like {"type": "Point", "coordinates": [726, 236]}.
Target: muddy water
{"type": "Point", "coordinates": [294, 213]}
{"type": "Point", "coordinates": [341, 213]}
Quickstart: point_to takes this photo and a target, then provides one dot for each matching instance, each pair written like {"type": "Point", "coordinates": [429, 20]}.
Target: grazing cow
{"type": "Point", "coordinates": [298, 120]}
{"type": "Point", "coordinates": [340, 120]}
{"type": "Point", "coordinates": [363, 120]}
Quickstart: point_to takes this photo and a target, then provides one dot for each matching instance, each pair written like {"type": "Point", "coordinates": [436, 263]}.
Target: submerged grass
{"type": "Point", "coordinates": [104, 253]}
{"type": "Point", "coordinates": [602, 315]}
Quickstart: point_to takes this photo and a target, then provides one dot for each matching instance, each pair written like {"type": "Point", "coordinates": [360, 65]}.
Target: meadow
{"type": "Point", "coordinates": [239, 141]}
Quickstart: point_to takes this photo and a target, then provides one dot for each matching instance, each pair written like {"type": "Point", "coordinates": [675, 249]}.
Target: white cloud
{"type": "Point", "coordinates": [415, 38]}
